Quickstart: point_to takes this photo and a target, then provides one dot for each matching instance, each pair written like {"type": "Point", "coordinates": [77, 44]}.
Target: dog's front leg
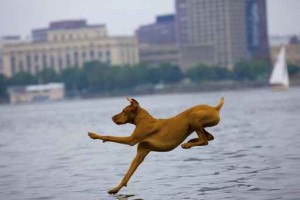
{"type": "Point", "coordinates": [130, 140]}
{"type": "Point", "coordinates": [97, 136]}
{"type": "Point", "coordinates": [142, 152]}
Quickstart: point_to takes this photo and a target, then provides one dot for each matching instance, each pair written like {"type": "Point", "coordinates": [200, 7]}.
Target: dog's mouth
{"type": "Point", "coordinates": [119, 123]}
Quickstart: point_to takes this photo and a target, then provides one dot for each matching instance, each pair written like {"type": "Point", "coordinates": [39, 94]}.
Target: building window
{"type": "Point", "coordinates": [13, 65]}
{"type": "Point", "coordinates": [83, 56]}
{"type": "Point", "coordinates": [37, 69]}
{"type": "Point", "coordinates": [76, 63]}
{"type": "Point", "coordinates": [44, 60]}
{"type": "Point", "coordinates": [36, 58]}
{"type": "Point", "coordinates": [107, 54]}
{"type": "Point", "coordinates": [21, 66]}
{"type": "Point", "coordinates": [68, 60]}
{"type": "Point", "coordinates": [52, 64]}
{"type": "Point", "coordinates": [108, 60]}
{"type": "Point", "coordinates": [60, 63]}
{"type": "Point", "coordinates": [28, 63]}
{"type": "Point", "coordinates": [100, 55]}
{"type": "Point", "coordinates": [92, 55]}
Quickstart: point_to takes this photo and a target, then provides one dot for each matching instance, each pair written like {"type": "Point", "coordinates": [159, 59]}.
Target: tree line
{"type": "Point", "coordinates": [97, 77]}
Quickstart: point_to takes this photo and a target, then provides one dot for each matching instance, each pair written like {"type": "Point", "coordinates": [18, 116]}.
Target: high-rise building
{"type": "Point", "coordinates": [160, 32]}
{"type": "Point", "coordinates": [212, 32]}
{"type": "Point", "coordinates": [256, 26]}
{"type": "Point", "coordinates": [157, 41]}
{"type": "Point", "coordinates": [68, 44]}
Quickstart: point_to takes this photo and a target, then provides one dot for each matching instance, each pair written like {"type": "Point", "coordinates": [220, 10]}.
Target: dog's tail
{"type": "Point", "coordinates": [219, 106]}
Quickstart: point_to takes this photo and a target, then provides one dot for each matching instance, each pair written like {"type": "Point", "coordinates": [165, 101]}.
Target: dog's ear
{"type": "Point", "coordinates": [133, 102]}
{"type": "Point", "coordinates": [129, 99]}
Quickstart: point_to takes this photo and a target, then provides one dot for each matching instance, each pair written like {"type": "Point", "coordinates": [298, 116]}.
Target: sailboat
{"type": "Point", "coordinates": [280, 78]}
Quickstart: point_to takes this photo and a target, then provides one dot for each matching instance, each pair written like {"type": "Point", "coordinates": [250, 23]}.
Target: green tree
{"type": "Point", "coordinates": [97, 75]}
{"type": "Point", "coordinates": [222, 73]}
{"type": "Point", "coordinates": [74, 78]}
{"type": "Point", "coordinates": [293, 69]}
{"type": "Point", "coordinates": [3, 85]}
{"type": "Point", "coordinates": [118, 77]}
{"type": "Point", "coordinates": [47, 75]}
{"type": "Point", "coordinates": [169, 73]}
{"type": "Point", "coordinates": [143, 74]}
{"type": "Point", "coordinates": [152, 75]}
{"type": "Point", "coordinates": [23, 78]}
{"type": "Point", "coordinates": [204, 72]}
{"type": "Point", "coordinates": [251, 70]}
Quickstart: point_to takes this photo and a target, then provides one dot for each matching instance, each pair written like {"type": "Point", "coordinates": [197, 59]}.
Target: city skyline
{"type": "Point", "coordinates": [35, 14]}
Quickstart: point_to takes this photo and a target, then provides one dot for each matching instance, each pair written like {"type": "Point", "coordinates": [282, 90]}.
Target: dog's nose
{"type": "Point", "coordinates": [114, 118]}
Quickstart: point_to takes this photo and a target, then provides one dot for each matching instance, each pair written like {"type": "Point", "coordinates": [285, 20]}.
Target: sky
{"type": "Point", "coordinates": [122, 17]}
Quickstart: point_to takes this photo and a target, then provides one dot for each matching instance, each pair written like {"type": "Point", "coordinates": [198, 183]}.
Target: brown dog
{"type": "Point", "coordinates": [161, 135]}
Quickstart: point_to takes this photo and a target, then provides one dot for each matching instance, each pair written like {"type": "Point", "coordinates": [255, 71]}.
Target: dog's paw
{"type": "Point", "coordinates": [92, 135]}
{"type": "Point", "coordinates": [114, 191]}
{"type": "Point", "coordinates": [185, 146]}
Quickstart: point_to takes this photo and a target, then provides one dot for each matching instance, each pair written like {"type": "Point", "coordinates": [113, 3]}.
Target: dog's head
{"type": "Point", "coordinates": [128, 114]}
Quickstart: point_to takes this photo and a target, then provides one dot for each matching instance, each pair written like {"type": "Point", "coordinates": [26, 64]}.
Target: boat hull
{"type": "Point", "coordinates": [279, 88]}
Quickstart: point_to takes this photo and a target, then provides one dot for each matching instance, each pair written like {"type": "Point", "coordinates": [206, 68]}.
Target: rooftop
{"type": "Point", "coordinates": [67, 24]}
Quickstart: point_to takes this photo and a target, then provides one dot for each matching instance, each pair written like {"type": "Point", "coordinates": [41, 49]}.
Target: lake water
{"type": "Point", "coordinates": [45, 152]}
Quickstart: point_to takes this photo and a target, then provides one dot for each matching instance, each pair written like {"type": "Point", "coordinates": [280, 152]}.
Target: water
{"type": "Point", "coordinates": [45, 152]}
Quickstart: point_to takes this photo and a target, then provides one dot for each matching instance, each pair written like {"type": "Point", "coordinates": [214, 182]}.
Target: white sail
{"type": "Point", "coordinates": [280, 74]}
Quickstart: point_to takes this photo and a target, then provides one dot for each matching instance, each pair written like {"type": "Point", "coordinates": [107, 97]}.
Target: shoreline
{"type": "Point", "coordinates": [186, 88]}
{"type": "Point", "coordinates": [208, 86]}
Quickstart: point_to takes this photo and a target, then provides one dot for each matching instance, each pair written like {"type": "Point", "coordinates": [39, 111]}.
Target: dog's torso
{"type": "Point", "coordinates": [167, 134]}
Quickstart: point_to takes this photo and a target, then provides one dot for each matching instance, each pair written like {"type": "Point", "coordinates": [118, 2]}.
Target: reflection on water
{"type": "Point", "coordinates": [46, 154]}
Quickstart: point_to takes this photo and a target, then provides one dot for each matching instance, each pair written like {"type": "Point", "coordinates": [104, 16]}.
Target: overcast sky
{"type": "Point", "coordinates": [120, 16]}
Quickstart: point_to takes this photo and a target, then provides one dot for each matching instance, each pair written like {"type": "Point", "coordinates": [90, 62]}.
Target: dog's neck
{"type": "Point", "coordinates": [142, 115]}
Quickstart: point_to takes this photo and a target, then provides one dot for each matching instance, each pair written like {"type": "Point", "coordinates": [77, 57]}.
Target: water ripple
{"type": "Point", "coordinates": [54, 158]}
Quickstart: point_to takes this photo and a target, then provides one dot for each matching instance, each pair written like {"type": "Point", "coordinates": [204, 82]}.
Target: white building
{"type": "Point", "coordinates": [7, 40]}
{"type": "Point", "coordinates": [68, 44]}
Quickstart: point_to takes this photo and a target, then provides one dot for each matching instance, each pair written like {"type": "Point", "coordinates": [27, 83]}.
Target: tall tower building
{"type": "Point", "coordinates": [160, 32]}
{"type": "Point", "coordinates": [257, 34]}
{"type": "Point", "coordinates": [212, 32]}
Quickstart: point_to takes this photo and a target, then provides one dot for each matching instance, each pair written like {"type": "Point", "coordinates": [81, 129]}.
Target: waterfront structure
{"type": "Point", "coordinates": [157, 41]}
{"type": "Point", "coordinates": [214, 32]}
{"type": "Point", "coordinates": [256, 29]}
{"type": "Point", "coordinates": [36, 93]}
{"type": "Point", "coordinates": [68, 44]}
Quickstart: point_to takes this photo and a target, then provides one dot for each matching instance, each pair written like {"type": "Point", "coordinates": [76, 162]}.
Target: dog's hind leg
{"type": "Point", "coordinates": [201, 141]}
{"type": "Point", "coordinates": [208, 135]}
{"type": "Point", "coordinates": [194, 140]}
{"type": "Point", "coordinates": [129, 140]}
{"type": "Point", "coordinates": [142, 152]}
